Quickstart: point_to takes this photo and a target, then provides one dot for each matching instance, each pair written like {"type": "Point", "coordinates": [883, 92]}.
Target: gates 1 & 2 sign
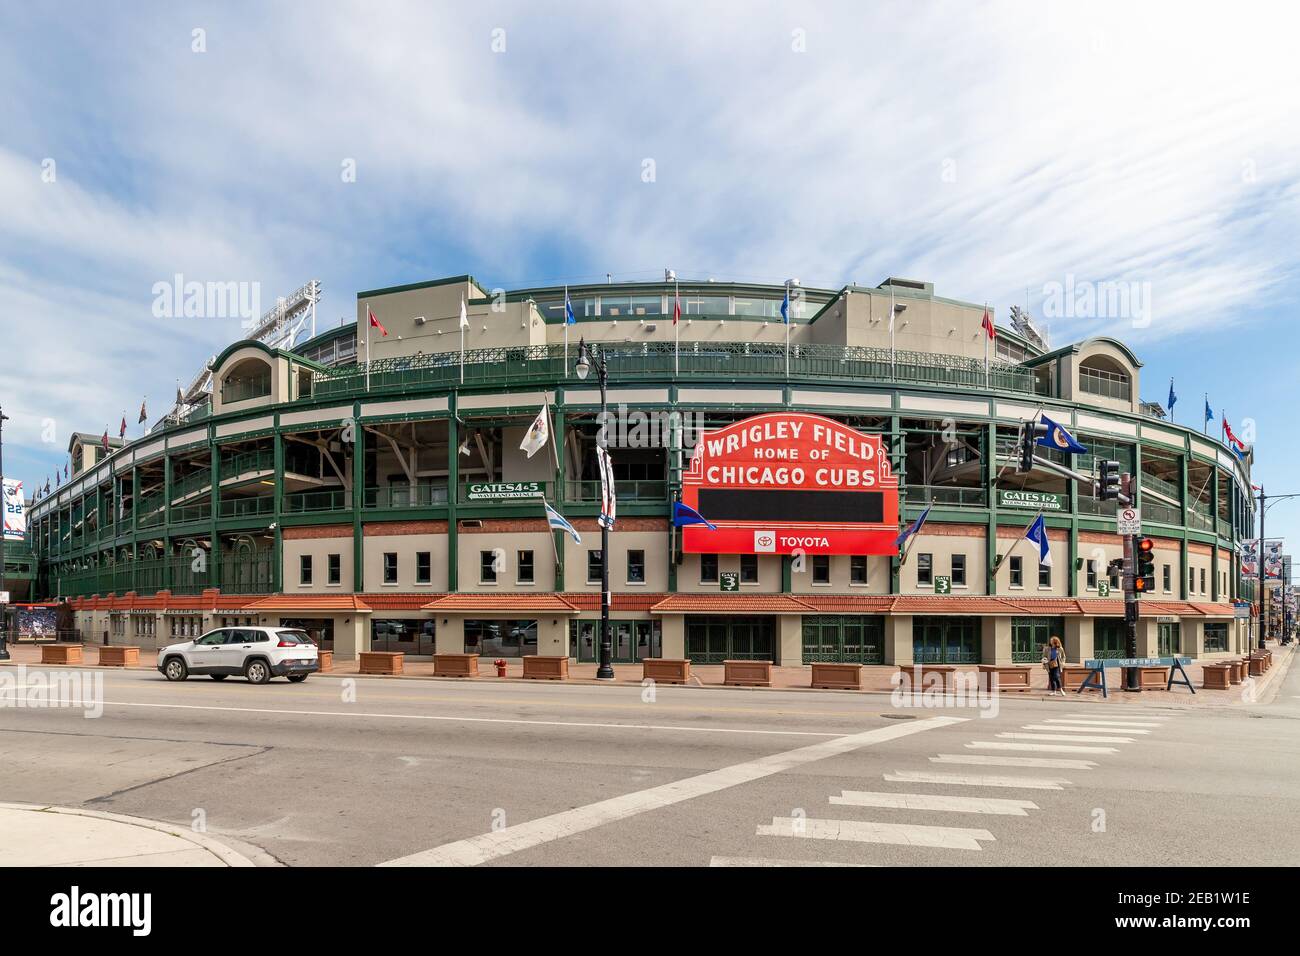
{"type": "Point", "coordinates": [788, 482]}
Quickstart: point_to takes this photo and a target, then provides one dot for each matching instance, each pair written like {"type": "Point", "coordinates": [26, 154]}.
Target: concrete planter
{"type": "Point", "coordinates": [837, 676]}
{"type": "Point", "coordinates": [1256, 666]}
{"type": "Point", "coordinates": [747, 673]}
{"type": "Point", "coordinates": [1153, 678]}
{"type": "Point", "coordinates": [1073, 676]}
{"type": "Point", "coordinates": [1237, 671]}
{"type": "Point", "coordinates": [119, 656]}
{"type": "Point", "coordinates": [666, 670]}
{"type": "Point", "coordinates": [456, 665]}
{"type": "Point", "coordinates": [1215, 676]}
{"type": "Point", "coordinates": [381, 662]}
{"type": "Point", "coordinates": [1005, 677]}
{"type": "Point", "coordinates": [326, 659]}
{"type": "Point", "coordinates": [922, 677]}
{"type": "Point", "coordinates": [61, 654]}
{"type": "Point", "coordinates": [538, 667]}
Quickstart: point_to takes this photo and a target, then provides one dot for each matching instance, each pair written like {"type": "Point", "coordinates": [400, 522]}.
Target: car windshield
{"type": "Point", "coordinates": [294, 637]}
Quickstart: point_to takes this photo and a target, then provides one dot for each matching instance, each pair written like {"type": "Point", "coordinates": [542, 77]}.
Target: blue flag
{"type": "Point", "coordinates": [1172, 397]}
{"type": "Point", "coordinates": [1209, 412]}
{"type": "Point", "coordinates": [569, 318]}
{"type": "Point", "coordinates": [1037, 533]}
{"type": "Point", "coordinates": [785, 308]}
{"type": "Point", "coordinates": [1057, 437]}
{"type": "Point", "coordinates": [558, 523]}
{"type": "Point", "coordinates": [685, 514]}
{"type": "Point", "coordinates": [912, 528]}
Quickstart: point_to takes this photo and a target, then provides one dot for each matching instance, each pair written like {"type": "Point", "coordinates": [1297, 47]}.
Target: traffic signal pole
{"type": "Point", "coordinates": [1131, 682]}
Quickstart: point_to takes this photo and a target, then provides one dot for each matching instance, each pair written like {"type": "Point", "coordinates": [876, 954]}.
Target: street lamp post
{"type": "Point", "coordinates": [1265, 502]}
{"type": "Point", "coordinates": [4, 604]}
{"type": "Point", "coordinates": [586, 362]}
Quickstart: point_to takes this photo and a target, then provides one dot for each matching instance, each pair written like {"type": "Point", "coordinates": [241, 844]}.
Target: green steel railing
{"type": "Point", "coordinates": [308, 502]}
{"type": "Point", "coordinates": [243, 573]}
{"type": "Point", "coordinates": [626, 491]}
{"type": "Point", "coordinates": [263, 459]}
{"type": "Point", "coordinates": [246, 507]}
{"type": "Point", "coordinates": [539, 364]}
{"type": "Point", "coordinates": [198, 481]}
{"type": "Point", "coordinates": [245, 390]}
{"type": "Point", "coordinates": [1166, 488]}
{"type": "Point", "coordinates": [404, 496]}
{"type": "Point", "coordinates": [947, 496]}
{"type": "Point", "coordinates": [183, 514]}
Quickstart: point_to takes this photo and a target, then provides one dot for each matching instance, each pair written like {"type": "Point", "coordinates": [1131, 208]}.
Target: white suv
{"type": "Point", "coordinates": [259, 653]}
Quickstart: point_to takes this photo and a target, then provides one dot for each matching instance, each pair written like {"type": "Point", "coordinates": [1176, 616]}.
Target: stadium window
{"type": "Point", "coordinates": [958, 570]}
{"type": "Point", "coordinates": [334, 569]}
{"type": "Point", "coordinates": [304, 569]}
{"type": "Point", "coordinates": [1017, 572]}
{"type": "Point", "coordinates": [1166, 578]}
{"type": "Point", "coordinates": [821, 569]}
{"type": "Point", "coordinates": [524, 567]}
{"type": "Point", "coordinates": [749, 569]}
{"type": "Point", "coordinates": [390, 567]}
{"type": "Point", "coordinates": [858, 569]}
{"type": "Point", "coordinates": [925, 568]}
{"type": "Point", "coordinates": [1202, 580]}
{"type": "Point", "coordinates": [1092, 574]}
{"type": "Point", "coordinates": [1044, 575]}
{"type": "Point", "coordinates": [593, 566]}
{"type": "Point", "coordinates": [423, 567]}
{"type": "Point", "coordinates": [708, 569]}
{"type": "Point", "coordinates": [636, 567]}
{"type": "Point", "coordinates": [487, 567]}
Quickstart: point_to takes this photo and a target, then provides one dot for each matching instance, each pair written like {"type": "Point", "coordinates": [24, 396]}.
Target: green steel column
{"type": "Point", "coordinates": [453, 492]}
{"type": "Point", "coordinates": [900, 470]}
{"type": "Point", "coordinates": [1214, 548]}
{"type": "Point", "coordinates": [1072, 555]}
{"type": "Point", "coordinates": [167, 522]}
{"type": "Point", "coordinates": [991, 532]}
{"type": "Point", "coordinates": [358, 496]}
{"type": "Point", "coordinates": [674, 484]}
{"type": "Point", "coordinates": [277, 553]}
{"type": "Point", "coordinates": [558, 444]}
{"type": "Point", "coordinates": [214, 501]}
{"type": "Point", "coordinates": [1182, 547]}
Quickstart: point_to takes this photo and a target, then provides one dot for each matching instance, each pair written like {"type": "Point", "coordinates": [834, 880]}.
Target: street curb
{"type": "Point", "coordinates": [222, 852]}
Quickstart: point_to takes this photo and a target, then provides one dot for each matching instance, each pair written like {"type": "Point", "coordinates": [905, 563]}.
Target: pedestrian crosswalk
{"type": "Point", "coordinates": [1011, 761]}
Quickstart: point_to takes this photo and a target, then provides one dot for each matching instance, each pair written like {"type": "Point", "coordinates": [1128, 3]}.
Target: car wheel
{"type": "Point", "coordinates": [257, 672]}
{"type": "Point", "coordinates": [297, 678]}
{"type": "Point", "coordinates": [175, 669]}
{"type": "Point", "coordinates": [218, 676]}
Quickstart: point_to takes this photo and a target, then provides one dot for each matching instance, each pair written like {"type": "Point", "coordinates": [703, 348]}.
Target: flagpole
{"type": "Point", "coordinates": [986, 346]}
{"type": "Point", "coordinates": [465, 315]}
{"type": "Point", "coordinates": [998, 566]}
{"type": "Point", "coordinates": [565, 317]}
{"type": "Point", "coordinates": [550, 422]}
{"type": "Point", "coordinates": [907, 545]}
{"type": "Point", "coordinates": [892, 373]}
{"type": "Point", "coordinates": [677, 329]}
{"type": "Point", "coordinates": [367, 304]}
{"type": "Point", "coordinates": [1205, 426]}
{"type": "Point", "coordinates": [787, 328]}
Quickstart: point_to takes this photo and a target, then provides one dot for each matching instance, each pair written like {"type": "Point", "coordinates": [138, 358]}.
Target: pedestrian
{"type": "Point", "coordinates": [1054, 661]}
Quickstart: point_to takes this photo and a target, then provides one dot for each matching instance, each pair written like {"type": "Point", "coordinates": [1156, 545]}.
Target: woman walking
{"type": "Point", "coordinates": [1054, 661]}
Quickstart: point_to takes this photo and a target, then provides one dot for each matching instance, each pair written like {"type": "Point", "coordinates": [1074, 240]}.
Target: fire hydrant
{"type": "Point", "coordinates": [501, 666]}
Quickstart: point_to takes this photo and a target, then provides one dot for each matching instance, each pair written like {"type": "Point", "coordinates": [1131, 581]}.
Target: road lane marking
{"type": "Point", "coordinates": [1083, 730]}
{"type": "Point", "coordinates": [858, 831]}
{"type": "Point", "coordinates": [1144, 727]}
{"type": "Point", "coordinates": [935, 801]}
{"type": "Point", "coordinates": [1083, 739]}
{"type": "Point", "coordinates": [1040, 748]}
{"type": "Point", "coordinates": [762, 861]}
{"type": "Point", "coordinates": [499, 843]}
{"type": "Point", "coordinates": [975, 780]}
{"type": "Point", "coordinates": [986, 760]}
{"type": "Point", "coordinates": [1141, 715]}
{"type": "Point", "coordinates": [477, 720]}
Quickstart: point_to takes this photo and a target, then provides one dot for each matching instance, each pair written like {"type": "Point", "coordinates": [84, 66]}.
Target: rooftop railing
{"type": "Point", "coordinates": [531, 365]}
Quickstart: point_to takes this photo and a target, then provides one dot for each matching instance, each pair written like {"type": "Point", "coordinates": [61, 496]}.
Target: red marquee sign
{"type": "Point", "coordinates": [788, 482]}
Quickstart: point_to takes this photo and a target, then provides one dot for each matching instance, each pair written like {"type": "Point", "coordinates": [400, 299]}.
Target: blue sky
{"type": "Point", "coordinates": [993, 149]}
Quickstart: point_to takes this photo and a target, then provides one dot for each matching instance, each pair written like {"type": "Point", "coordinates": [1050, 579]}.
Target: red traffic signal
{"type": "Point", "coordinates": [1144, 565]}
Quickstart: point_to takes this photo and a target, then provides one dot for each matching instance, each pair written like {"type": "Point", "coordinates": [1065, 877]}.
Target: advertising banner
{"type": "Point", "coordinates": [1273, 558]}
{"type": "Point", "coordinates": [15, 518]}
{"type": "Point", "coordinates": [787, 483]}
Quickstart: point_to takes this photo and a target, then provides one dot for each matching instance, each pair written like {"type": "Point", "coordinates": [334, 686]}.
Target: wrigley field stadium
{"type": "Point", "coordinates": [384, 486]}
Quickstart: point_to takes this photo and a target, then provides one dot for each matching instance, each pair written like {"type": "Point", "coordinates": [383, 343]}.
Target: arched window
{"type": "Point", "coordinates": [246, 379]}
{"type": "Point", "coordinates": [1102, 375]}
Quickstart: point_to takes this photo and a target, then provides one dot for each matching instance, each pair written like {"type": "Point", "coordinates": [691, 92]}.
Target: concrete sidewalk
{"type": "Point", "coordinates": [876, 678]}
{"type": "Point", "coordinates": [63, 836]}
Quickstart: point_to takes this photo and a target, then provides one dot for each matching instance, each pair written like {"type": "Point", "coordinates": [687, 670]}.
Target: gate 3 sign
{"type": "Point", "coordinates": [787, 482]}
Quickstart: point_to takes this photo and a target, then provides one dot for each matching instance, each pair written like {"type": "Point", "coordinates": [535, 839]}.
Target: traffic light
{"type": "Point", "coordinates": [1108, 481]}
{"type": "Point", "coordinates": [1144, 565]}
{"type": "Point", "coordinates": [1030, 432]}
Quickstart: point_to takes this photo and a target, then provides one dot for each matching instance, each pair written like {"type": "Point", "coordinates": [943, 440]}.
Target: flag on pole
{"type": "Point", "coordinates": [677, 332]}
{"type": "Point", "coordinates": [1209, 416]}
{"type": "Point", "coordinates": [104, 441]}
{"type": "Point", "coordinates": [538, 433]}
{"type": "Point", "coordinates": [1172, 399]}
{"type": "Point", "coordinates": [558, 523]}
{"type": "Point", "coordinates": [375, 324]}
{"type": "Point", "coordinates": [987, 325]}
{"type": "Point", "coordinates": [684, 515]}
{"type": "Point", "coordinates": [1037, 533]}
{"type": "Point", "coordinates": [121, 433]}
{"type": "Point", "coordinates": [143, 414]}
{"type": "Point", "coordinates": [464, 324]}
{"type": "Point", "coordinates": [1238, 445]}
{"type": "Point", "coordinates": [785, 318]}
{"type": "Point", "coordinates": [180, 399]}
{"type": "Point", "coordinates": [917, 524]}
{"type": "Point", "coordinates": [1060, 439]}
{"type": "Point", "coordinates": [569, 319]}
{"type": "Point", "coordinates": [608, 498]}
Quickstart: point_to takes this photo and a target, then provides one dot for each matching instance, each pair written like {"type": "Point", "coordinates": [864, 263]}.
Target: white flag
{"type": "Point", "coordinates": [538, 432]}
{"type": "Point", "coordinates": [464, 319]}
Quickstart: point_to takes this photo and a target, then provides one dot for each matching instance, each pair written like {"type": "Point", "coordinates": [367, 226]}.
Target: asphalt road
{"type": "Point", "coordinates": [491, 773]}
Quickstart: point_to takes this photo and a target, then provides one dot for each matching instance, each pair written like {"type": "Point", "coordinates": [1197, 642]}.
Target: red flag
{"type": "Point", "coordinates": [376, 323]}
{"type": "Point", "coordinates": [104, 441]}
{"type": "Point", "coordinates": [677, 307]}
{"type": "Point", "coordinates": [1227, 429]}
{"type": "Point", "coordinates": [987, 325]}
{"type": "Point", "coordinates": [143, 413]}
{"type": "Point", "coordinates": [122, 431]}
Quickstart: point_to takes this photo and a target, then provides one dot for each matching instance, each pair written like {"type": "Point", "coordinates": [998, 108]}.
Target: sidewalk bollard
{"type": "Point", "coordinates": [501, 666]}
